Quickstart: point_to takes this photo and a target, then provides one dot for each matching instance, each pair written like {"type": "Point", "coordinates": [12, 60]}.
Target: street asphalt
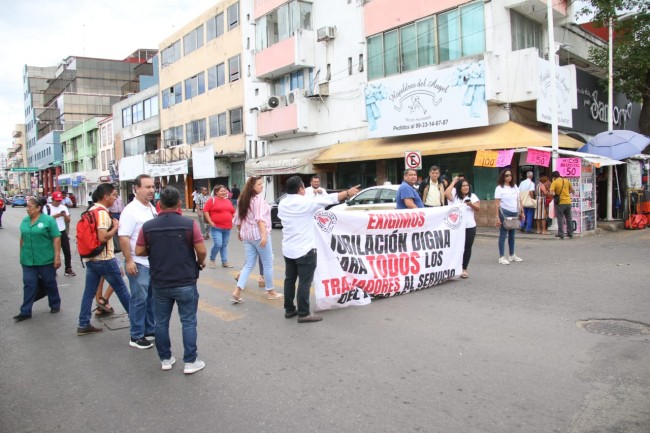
{"type": "Point", "coordinates": [507, 350]}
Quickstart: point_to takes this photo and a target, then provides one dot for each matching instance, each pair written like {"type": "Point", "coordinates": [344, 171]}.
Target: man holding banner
{"type": "Point", "coordinates": [407, 196]}
{"type": "Point", "coordinates": [296, 211]}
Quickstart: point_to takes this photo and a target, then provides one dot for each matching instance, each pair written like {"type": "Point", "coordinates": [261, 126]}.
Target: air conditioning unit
{"type": "Point", "coordinates": [291, 98]}
{"type": "Point", "coordinates": [325, 33]}
{"type": "Point", "coordinates": [283, 101]}
{"type": "Point", "coordinates": [323, 89]}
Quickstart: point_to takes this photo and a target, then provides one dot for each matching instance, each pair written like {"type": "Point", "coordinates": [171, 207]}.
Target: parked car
{"type": "Point", "coordinates": [19, 200]}
{"type": "Point", "coordinates": [275, 220]}
{"type": "Point", "coordinates": [372, 198]}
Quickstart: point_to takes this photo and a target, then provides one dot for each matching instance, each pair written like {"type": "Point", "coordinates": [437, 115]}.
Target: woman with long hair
{"type": "Point", "coordinates": [508, 204]}
{"type": "Point", "coordinates": [459, 193]}
{"type": "Point", "coordinates": [218, 212]}
{"type": "Point", "coordinates": [253, 221]}
{"type": "Point", "coordinates": [40, 257]}
{"type": "Point", "coordinates": [543, 200]}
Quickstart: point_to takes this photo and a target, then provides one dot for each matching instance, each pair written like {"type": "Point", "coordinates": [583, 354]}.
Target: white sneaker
{"type": "Point", "coordinates": [167, 363]}
{"type": "Point", "coordinates": [503, 261]}
{"type": "Point", "coordinates": [193, 367]}
{"type": "Point", "coordinates": [514, 258]}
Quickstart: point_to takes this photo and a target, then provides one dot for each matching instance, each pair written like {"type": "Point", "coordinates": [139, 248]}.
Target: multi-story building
{"type": "Point", "coordinates": [61, 97]}
{"type": "Point", "coordinates": [81, 159]}
{"type": "Point", "coordinates": [347, 88]}
{"type": "Point", "coordinates": [17, 181]}
{"type": "Point", "coordinates": [202, 99]}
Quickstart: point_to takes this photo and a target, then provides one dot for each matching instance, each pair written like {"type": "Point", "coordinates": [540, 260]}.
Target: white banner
{"type": "Point", "coordinates": [203, 165]}
{"type": "Point", "coordinates": [131, 167]}
{"type": "Point", "coordinates": [385, 253]}
{"type": "Point", "coordinates": [427, 100]}
{"type": "Point", "coordinates": [567, 96]}
{"type": "Point", "coordinates": [170, 168]}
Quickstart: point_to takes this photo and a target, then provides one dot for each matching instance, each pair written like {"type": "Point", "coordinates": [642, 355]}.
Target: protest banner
{"type": "Point", "coordinates": [385, 253]}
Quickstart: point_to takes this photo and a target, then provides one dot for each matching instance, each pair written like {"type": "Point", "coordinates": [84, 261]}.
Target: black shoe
{"type": "Point", "coordinates": [570, 236]}
{"type": "Point", "coordinates": [21, 317]}
{"type": "Point", "coordinates": [309, 319]}
{"type": "Point", "coordinates": [291, 314]}
{"type": "Point", "coordinates": [55, 310]}
{"type": "Point", "coordinates": [90, 329]}
{"type": "Point", "coordinates": [69, 273]}
{"type": "Point", "coordinates": [559, 235]}
{"type": "Point", "coordinates": [521, 229]}
{"type": "Point", "coordinates": [140, 343]}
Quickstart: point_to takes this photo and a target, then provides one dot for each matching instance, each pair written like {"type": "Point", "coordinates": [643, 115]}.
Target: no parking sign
{"type": "Point", "coordinates": [413, 160]}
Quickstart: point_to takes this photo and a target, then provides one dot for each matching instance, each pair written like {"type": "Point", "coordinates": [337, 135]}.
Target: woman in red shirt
{"type": "Point", "coordinates": [218, 213]}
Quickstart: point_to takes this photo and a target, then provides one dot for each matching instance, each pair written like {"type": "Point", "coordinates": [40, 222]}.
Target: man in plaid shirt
{"type": "Point", "coordinates": [200, 202]}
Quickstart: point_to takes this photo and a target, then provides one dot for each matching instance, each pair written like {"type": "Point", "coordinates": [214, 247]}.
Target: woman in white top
{"type": "Point", "coordinates": [508, 204]}
{"type": "Point", "coordinates": [459, 193]}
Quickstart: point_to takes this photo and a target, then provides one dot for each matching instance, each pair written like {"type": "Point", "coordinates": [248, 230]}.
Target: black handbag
{"type": "Point", "coordinates": [556, 197]}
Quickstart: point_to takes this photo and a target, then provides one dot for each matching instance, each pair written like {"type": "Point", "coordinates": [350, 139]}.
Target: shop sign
{"type": "Point", "coordinates": [427, 100]}
{"type": "Point", "coordinates": [566, 94]}
{"type": "Point", "coordinates": [538, 157]}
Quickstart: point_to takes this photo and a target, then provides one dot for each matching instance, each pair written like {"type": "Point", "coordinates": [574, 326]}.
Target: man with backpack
{"type": "Point", "coordinates": [61, 215]}
{"type": "Point", "coordinates": [95, 231]}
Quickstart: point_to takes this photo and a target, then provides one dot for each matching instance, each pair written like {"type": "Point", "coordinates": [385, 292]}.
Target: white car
{"type": "Point", "coordinates": [372, 198]}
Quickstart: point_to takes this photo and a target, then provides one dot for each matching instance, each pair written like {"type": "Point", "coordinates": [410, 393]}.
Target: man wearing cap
{"type": "Point", "coordinates": [61, 215]}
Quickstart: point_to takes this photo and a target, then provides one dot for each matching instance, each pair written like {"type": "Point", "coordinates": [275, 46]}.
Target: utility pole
{"type": "Point", "coordinates": [551, 59]}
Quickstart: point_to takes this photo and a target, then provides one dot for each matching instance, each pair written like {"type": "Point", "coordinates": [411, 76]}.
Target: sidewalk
{"type": "Point", "coordinates": [602, 228]}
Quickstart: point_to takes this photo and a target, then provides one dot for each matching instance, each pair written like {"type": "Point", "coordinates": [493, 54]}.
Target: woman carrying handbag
{"type": "Point", "coordinates": [509, 213]}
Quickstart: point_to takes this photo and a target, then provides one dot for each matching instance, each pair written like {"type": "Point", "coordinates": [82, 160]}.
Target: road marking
{"type": "Point", "coordinates": [226, 316]}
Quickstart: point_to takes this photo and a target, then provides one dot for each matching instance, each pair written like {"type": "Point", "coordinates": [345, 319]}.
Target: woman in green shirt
{"type": "Point", "coordinates": [40, 256]}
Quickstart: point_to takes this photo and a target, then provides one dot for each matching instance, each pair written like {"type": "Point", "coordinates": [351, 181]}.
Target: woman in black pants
{"type": "Point", "coordinates": [459, 193]}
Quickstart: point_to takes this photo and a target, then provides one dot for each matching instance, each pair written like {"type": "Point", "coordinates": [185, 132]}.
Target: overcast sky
{"type": "Point", "coordinates": [43, 32]}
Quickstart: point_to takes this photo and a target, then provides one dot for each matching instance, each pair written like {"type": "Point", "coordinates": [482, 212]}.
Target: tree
{"type": "Point", "coordinates": [631, 20]}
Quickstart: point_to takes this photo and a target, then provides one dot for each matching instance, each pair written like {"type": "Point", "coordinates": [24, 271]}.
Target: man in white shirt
{"type": "Point", "coordinates": [297, 211]}
{"type": "Point", "coordinates": [314, 189]}
{"type": "Point", "coordinates": [527, 186]}
{"type": "Point", "coordinates": [133, 217]}
{"type": "Point", "coordinates": [61, 215]}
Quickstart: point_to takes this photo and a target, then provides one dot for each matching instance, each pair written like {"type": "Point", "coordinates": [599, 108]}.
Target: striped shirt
{"type": "Point", "coordinates": [104, 221]}
{"type": "Point", "coordinates": [259, 211]}
{"type": "Point", "coordinates": [201, 200]}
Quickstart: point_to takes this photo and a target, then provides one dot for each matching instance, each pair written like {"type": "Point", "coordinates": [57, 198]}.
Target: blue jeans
{"type": "Point", "coordinates": [30, 285]}
{"type": "Point", "coordinates": [503, 232]}
{"type": "Point", "coordinates": [220, 238]}
{"type": "Point", "coordinates": [110, 270]}
{"type": "Point", "coordinates": [527, 223]}
{"type": "Point", "coordinates": [141, 309]}
{"type": "Point", "coordinates": [252, 251]}
{"type": "Point", "coordinates": [187, 301]}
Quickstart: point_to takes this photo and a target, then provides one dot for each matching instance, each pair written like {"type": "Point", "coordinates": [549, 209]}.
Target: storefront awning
{"type": "Point", "coordinates": [597, 160]}
{"type": "Point", "coordinates": [283, 163]}
{"type": "Point", "coordinates": [507, 135]}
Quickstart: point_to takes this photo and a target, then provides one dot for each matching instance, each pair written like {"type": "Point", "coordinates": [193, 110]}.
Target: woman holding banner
{"type": "Point", "coordinates": [508, 205]}
{"type": "Point", "coordinates": [470, 204]}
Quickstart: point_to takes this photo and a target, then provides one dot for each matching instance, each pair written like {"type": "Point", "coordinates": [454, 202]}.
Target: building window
{"type": "Point", "coordinates": [282, 23]}
{"type": "Point", "coordinates": [172, 96]}
{"type": "Point", "coordinates": [235, 121]}
{"type": "Point", "coordinates": [195, 86]}
{"type": "Point", "coordinates": [233, 68]}
{"type": "Point", "coordinates": [195, 131]}
{"type": "Point", "coordinates": [126, 116]}
{"type": "Point", "coordinates": [456, 33]}
{"type": "Point", "coordinates": [526, 33]}
{"type": "Point", "coordinates": [193, 40]}
{"type": "Point", "coordinates": [138, 112]}
{"type": "Point", "coordinates": [214, 27]}
{"type": "Point", "coordinates": [173, 136]}
{"type": "Point", "coordinates": [171, 54]}
{"type": "Point", "coordinates": [216, 76]}
{"type": "Point", "coordinates": [151, 107]}
{"type": "Point", "coordinates": [218, 125]}
{"type": "Point", "coordinates": [233, 16]}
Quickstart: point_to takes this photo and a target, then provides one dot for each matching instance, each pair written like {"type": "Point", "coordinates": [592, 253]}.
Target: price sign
{"type": "Point", "coordinates": [505, 157]}
{"type": "Point", "coordinates": [538, 157]}
{"type": "Point", "coordinates": [486, 158]}
{"type": "Point", "coordinates": [569, 167]}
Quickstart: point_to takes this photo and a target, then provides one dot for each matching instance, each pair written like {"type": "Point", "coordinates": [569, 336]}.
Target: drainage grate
{"type": "Point", "coordinates": [115, 321]}
{"type": "Point", "coordinates": [614, 327]}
